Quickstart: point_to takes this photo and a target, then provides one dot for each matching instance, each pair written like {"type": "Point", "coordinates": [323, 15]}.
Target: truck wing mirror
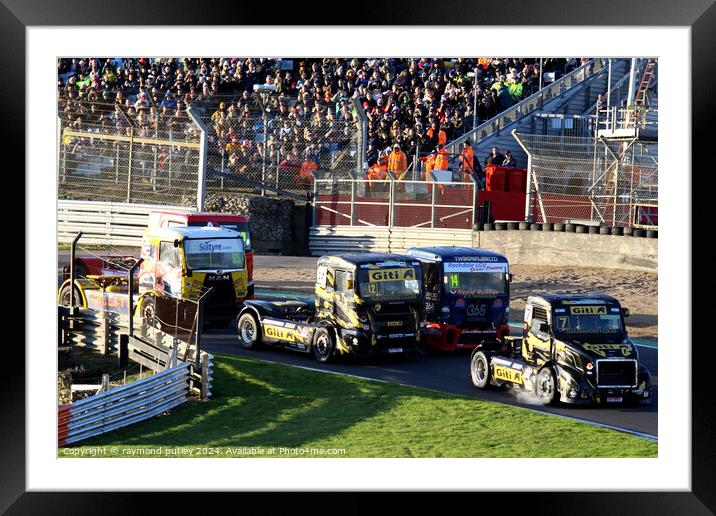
{"type": "Point", "coordinates": [625, 312]}
{"type": "Point", "coordinates": [349, 284]}
{"type": "Point", "coordinates": [509, 277]}
{"type": "Point", "coordinates": [176, 242]}
{"type": "Point", "coordinates": [544, 327]}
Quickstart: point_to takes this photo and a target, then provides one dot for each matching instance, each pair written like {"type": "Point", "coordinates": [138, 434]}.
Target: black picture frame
{"type": "Point", "coordinates": [700, 15]}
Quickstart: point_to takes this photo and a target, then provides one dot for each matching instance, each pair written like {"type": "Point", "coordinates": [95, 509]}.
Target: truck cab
{"type": "Point", "coordinates": [467, 297]}
{"type": "Point", "coordinates": [574, 349]}
{"type": "Point", "coordinates": [239, 223]}
{"type": "Point", "coordinates": [364, 304]}
{"type": "Point", "coordinates": [184, 262]}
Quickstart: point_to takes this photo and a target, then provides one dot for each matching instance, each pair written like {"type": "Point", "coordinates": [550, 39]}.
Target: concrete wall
{"type": "Point", "coordinates": [573, 249]}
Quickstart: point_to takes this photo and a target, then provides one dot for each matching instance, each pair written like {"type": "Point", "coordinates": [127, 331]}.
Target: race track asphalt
{"type": "Point", "coordinates": [445, 372]}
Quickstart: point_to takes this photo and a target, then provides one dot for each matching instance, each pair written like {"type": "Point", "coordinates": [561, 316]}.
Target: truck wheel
{"type": "Point", "coordinates": [480, 370]}
{"type": "Point", "coordinates": [547, 386]}
{"type": "Point", "coordinates": [248, 330]}
{"type": "Point", "coordinates": [65, 296]}
{"type": "Point", "coordinates": [323, 345]}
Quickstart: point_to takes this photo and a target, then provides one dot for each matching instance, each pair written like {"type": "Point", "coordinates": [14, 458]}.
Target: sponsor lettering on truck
{"type": "Point", "coordinates": [574, 349]}
{"type": "Point", "coordinates": [467, 296]}
{"type": "Point", "coordinates": [179, 264]}
{"type": "Point", "coordinates": [364, 304]}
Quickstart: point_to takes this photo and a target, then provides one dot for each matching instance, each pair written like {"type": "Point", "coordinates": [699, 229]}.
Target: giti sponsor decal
{"type": "Point", "coordinates": [588, 310]}
{"type": "Point", "coordinates": [279, 333]}
{"type": "Point", "coordinates": [380, 275]}
{"type": "Point", "coordinates": [507, 374]}
{"type": "Point", "coordinates": [601, 349]}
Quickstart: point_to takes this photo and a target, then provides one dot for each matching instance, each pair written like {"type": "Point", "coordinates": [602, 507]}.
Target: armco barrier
{"type": "Point", "coordinates": [124, 405]}
{"type": "Point", "coordinates": [343, 239]}
{"type": "Point", "coordinates": [105, 223]}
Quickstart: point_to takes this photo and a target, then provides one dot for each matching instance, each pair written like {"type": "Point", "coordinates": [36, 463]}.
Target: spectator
{"type": "Point", "coordinates": [397, 162]}
{"type": "Point", "coordinates": [508, 160]}
{"type": "Point", "coordinates": [467, 161]}
{"type": "Point", "coordinates": [494, 158]}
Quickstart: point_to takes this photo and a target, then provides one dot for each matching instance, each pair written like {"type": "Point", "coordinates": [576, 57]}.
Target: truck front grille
{"type": "Point", "coordinates": [616, 373]}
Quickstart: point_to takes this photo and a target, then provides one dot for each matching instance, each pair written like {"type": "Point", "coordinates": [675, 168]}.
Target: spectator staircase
{"type": "Point", "coordinates": [574, 94]}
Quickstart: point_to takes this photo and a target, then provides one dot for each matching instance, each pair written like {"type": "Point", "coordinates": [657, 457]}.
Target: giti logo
{"type": "Point", "coordinates": [510, 375]}
{"type": "Point", "coordinates": [378, 275]}
{"type": "Point", "coordinates": [395, 323]}
{"type": "Point", "coordinates": [588, 310]}
{"type": "Point", "coordinates": [279, 333]}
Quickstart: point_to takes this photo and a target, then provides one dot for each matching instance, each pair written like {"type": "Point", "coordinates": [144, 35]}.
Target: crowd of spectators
{"type": "Point", "coordinates": [410, 102]}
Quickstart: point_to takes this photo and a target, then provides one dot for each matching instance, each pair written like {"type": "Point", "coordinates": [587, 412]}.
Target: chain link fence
{"type": "Point", "coordinates": [610, 182]}
{"type": "Point", "coordinates": [269, 141]}
{"type": "Point", "coordinates": [142, 156]}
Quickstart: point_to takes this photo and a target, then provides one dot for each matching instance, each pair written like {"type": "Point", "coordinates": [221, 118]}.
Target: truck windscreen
{"type": "Point", "coordinates": [242, 228]}
{"type": "Point", "coordinates": [389, 284]}
{"type": "Point", "coordinates": [476, 279]}
{"type": "Point", "coordinates": [216, 253]}
{"type": "Point", "coordinates": [587, 319]}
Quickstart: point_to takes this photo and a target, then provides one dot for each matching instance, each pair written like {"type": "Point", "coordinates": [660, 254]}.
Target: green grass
{"type": "Point", "coordinates": [264, 406]}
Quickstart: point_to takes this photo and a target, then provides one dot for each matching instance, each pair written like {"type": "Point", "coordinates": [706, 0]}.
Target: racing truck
{"type": "Point", "coordinates": [179, 263]}
{"type": "Point", "coordinates": [574, 349]}
{"type": "Point", "coordinates": [117, 264]}
{"type": "Point", "coordinates": [364, 304]}
{"type": "Point", "coordinates": [467, 296]}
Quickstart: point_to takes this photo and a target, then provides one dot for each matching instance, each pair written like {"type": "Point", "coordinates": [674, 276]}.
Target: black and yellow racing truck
{"type": "Point", "coordinates": [574, 349]}
{"type": "Point", "coordinates": [364, 304]}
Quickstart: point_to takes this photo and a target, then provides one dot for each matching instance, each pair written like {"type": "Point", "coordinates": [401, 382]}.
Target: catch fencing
{"type": "Point", "coordinates": [268, 140]}
{"type": "Point", "coordinates": [599, 181]}
{"type": "Point", "coordinates": [105, 153]}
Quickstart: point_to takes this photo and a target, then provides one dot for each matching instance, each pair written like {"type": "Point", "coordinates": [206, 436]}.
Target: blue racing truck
{"type": "Point", "coordinates": [466, 297]}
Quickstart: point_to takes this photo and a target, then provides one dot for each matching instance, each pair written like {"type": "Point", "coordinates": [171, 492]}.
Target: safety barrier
{"type": "Point", "coordinates": [123, 406]}
{"type": "Point", "coordinates": [343, 239]}
{"type": "Point", "coordinates": [105, 223]}
{"type": "Point", "coordinates": [179, 374]}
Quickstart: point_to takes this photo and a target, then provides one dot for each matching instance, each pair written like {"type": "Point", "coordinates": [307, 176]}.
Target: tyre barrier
{"type": "Point", "coordinates": [512, 226]}
{"type": "Point", "coordinates": [488, 226]}
{"type": "Point", "coordinates": [628, 231]}
{"type": "Point", "coordinates": [570, 228]}
{"type": "Point", "coordinates": [580, 228]}
{"type": "Point", "coordinates": [547, 226]}
{"type": "Point", "coordinates": [605, 230]}
{"type": "Point", "coordinates": [593, 230]}
{"type": "Point", "coordinates": [477, 227]}
{"type": "Point", "coordinates": [500, 226]}
{"type": "Point", "coordinates": [652, 233]}
{"type": "Point", "coordinates": [524, 226]}
{"type": "Point", "coordinates": [536, 226]}
{"type": "Point", "coordinates": [639, 233]}
{"type": "Point", "coordinates": [616, 230]}
{"type": "Point", "coordinates": [558, 227]}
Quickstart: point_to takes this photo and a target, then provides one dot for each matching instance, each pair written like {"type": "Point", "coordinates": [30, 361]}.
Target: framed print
{"type": "Point", "coordinates": [362, 247]}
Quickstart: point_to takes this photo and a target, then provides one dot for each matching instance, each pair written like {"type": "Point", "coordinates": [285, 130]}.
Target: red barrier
{"type": "Point", "coordinates": [505, 179]}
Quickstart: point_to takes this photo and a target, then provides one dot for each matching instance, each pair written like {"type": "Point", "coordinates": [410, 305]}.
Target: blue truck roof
{"type": "Point", "coordinates": [452, 253]}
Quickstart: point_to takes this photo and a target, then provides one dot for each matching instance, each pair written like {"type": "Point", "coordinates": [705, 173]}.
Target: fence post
{"type": "Point", "coordinates": [391, 201]}
{"type": "Point", "coordinates": [123, 351]}
{"type": "Point", "coordinates": [353, 202]}
{"type": "Point", "coordinates": [203, 144]}
{"type": "Point", "coordinates": [105, 383]}
{"type": "Point", "coordinates": [72, 270]}
{"type": "Point", "coordinates": [205, 392]}
{"type": "Point", "coordinates": [130, 301]}
{"type": "Point", "coordinates": [433, 195]}
{"type": "Point", "coordinates": [129, 163]}
{"type": "Point", "coordinates": [105, 334]}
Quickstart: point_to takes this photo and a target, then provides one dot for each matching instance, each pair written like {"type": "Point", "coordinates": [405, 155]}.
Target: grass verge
{"type": "Point", "coordinates": [259, 407]}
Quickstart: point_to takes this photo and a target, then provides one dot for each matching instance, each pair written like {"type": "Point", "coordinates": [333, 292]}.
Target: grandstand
{"type": "Point", "coordinates": [171, 131]}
